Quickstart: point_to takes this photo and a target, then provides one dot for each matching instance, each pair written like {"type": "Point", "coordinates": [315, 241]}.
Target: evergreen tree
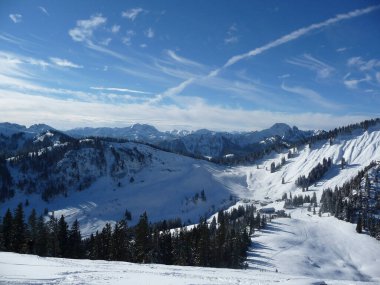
{"type": "Point", "coordinates": [142, 239]}
{"type": "Point", "coordinates": [19, 231]}
{"type": "Point", "coordinates": [33, 230]}
{"type": "Point", "coordinates": [7, 231]}
{"type": "Point", "coordinates": [74, 241]}
{"type": "Point", "coordinates": [42, 239]}
{"type": "Point", "coordinates": [62, 236]}
{"type": "Point", "coordinates": [359, 228]}
{"type": "Point", "coordinates": [120, 242]}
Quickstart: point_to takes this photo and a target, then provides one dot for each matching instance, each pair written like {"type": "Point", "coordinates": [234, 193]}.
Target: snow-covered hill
{"type": "Point", "coordinates": [97, 184]}
{"type": "Point", "coordinates": [305, 249]}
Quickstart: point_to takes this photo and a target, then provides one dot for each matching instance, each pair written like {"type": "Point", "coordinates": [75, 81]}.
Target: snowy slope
{"type": "Point", "coordinates": [358, 149]}
{"type": "Point", "coordinates": [318, 247]}
{"type": "Point", "coordinates": [27, 269]}
{"type": "Point", "coordinates": [166, 185]}
{"type": "Point", "coordinates": [305, 249]}
{"type": "Point", "coordinates": [163, 184]}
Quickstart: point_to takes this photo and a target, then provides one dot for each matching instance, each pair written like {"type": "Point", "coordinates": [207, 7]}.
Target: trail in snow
{"type": "Point", "coordinates": [319, 247]}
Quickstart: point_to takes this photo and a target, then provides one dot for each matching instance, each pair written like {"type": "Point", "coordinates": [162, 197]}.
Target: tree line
{"type": "Point", "coordinates": [221, 243]}
{"type": "Point", "coordinates": [356, 201]}
{"type": "Point", "coordinates": [314, 175]}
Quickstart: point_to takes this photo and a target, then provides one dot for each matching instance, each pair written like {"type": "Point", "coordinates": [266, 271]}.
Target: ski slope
{"type": "Point", "coordinates": [318, 247]}
{"type": "Point", "coordinates": [28, 269]}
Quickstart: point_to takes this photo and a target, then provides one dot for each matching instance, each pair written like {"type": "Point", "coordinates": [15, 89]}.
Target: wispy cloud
{"type": "Point", "coordinates": [16, 18]}
{"type": "Point", "coordinates": [115, 29]}
{"type": "Point", "coordinates": [149, 33]}
{"type": "Point", "coordinates": [120, 90]}
{"type": "Point", "coordinates": [231, 37]}
{"type": "Point", "coordinates": [171, 92]}
{"type": "Point", "coordinates": [296, 35]}
{"type": "Point", "coordinates": [43, 10]}
{"type": "Point", "coordinates": [84, 29]}
{"type": "Point", "coordinates": [342, 49]}
{"type": "Point", "coordinates": [132, 14]}
{"type": "Point", "coordinates": [283, 76]}
{"type": "Point", "coordinates": [64, 63]}
{"type": "Point", "coordinates": [354, 83]}
{"type": "Point", "coordinates": [181, 59]}
{"type": "Point", "coordinates": [19, 108]}
{"type": "Point", "coordinates": [378, 77]}
{"type": "Point", "coordinates": [106, 41]}
{"type": "Point", "coordinates": [127, 39]}
{"type": "Point", "coordinates": [307, 61]}
{"type": "Point", "coordinates": [363, 65]}
{"type": "Point", "coordinates": [313, 96]}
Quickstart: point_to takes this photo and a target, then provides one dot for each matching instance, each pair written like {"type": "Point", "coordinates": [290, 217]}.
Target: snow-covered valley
{"type": "Point", "coordinates": [305, 249]}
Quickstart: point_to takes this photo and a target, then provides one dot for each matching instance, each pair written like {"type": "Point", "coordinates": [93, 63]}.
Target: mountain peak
{"type": "Point", "coordinates": [280, 127]}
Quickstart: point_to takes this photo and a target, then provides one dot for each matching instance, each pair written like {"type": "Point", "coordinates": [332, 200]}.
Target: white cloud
{"type": "Point", "coordinates": [143, 45]}
{"type": "Point", "coordinates": [16, 18]}
{"type": "Point", "coordinates": [362, 64]}
{"type": "Point", "coordinates": [354, 83]}
{"type": "Point", "coordinates": [64, 63]}
{"type": "Point", "coordinates": [63, 114]}
{"type": "Point", "coordinates": [307, 61]}
{"type": "Point", "coordinates": [120, 90]}
{"type": "Point", "coordinates": [283, 76]}
{"type": "Point", "coordinates": [231, 40]}
{"type": "Point", "coordinates": [149, 33]}
{"type": "Point", "coordinates": [115, 29]}
{"type": "Point", "coordinates": [342, 49]}
{"type": "Point", "coordinates": [313, 96]}
{"type": "Point", "coordinates": [127, 40]}
{"type": "Point", "coordinates": [231, 37]}
{"type": "Point", "coordinates": [171, 92]}
{"type": "Point", "coordinates": [43, 10]}
{"type": "Point", "coordinates": [84, 28]}
{"type": "Point", "coordinates": [132, 14]}
{"type": "Point", "coordinates": [106, 41]}
{"type": "Point", "coordinates": [181, 59]}
{"type": "Point", "coordinates": [378, 76]}
{"type": "Point", "coordinates": [299, 33]}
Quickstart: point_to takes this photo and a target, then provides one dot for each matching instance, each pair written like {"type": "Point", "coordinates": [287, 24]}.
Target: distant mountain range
{"type": "Point", "coordinates": [201, 143]}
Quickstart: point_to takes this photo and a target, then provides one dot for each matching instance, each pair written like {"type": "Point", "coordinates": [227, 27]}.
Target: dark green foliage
{"type": "Point", "coordinates": [315, 174]}
{"type": "Point", "coordinates": [355, 202]}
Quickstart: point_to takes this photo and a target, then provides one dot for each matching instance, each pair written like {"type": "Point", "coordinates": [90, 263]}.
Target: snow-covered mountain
{"type": "Point", "coordinates": [205, 143]}
{"type": "Point", "coordinates": [97, 180]}
{"type": "Point", "coordinates": [136, 132]}
{"type": "Point", "coordinates": [202, 143]}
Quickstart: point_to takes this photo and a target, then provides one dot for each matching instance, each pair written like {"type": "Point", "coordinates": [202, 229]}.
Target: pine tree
{"type": "Point", "coordinates": [142, 239]}
{"type": "Point", "coordinates": [75, 241]}
{"type": "Point", "coordinates": [7, 230]}
{"type": "Point", "coordinates": [32, 223]}
{"type": "Point", "coordinates": [19, 231]}
{"type": "Point", "coordinates": [120, 242]}
{"type": "Point", "coordinates": [62, 236]}
{"type": "Point", "coordinates": [359, 225]}
{"type": "Point", "coordinates": [42, 239]}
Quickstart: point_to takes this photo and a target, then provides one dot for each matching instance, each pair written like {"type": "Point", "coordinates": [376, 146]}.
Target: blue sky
{"type": "Point", "coordinates": [222, 65]}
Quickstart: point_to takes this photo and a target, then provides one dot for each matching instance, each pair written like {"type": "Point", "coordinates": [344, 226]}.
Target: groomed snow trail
{"type": "Point", "coordinates": [319, 247]}
{"type": "Point", "coordinates": [28, 269]}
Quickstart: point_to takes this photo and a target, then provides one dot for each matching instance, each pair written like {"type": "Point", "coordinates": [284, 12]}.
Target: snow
{"type": "Point", "coordinates": [318, 247]}
{"type": "Point", "coordinates": [305, 249]}
{"type": "Point", "coordinates": [28, 269]}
